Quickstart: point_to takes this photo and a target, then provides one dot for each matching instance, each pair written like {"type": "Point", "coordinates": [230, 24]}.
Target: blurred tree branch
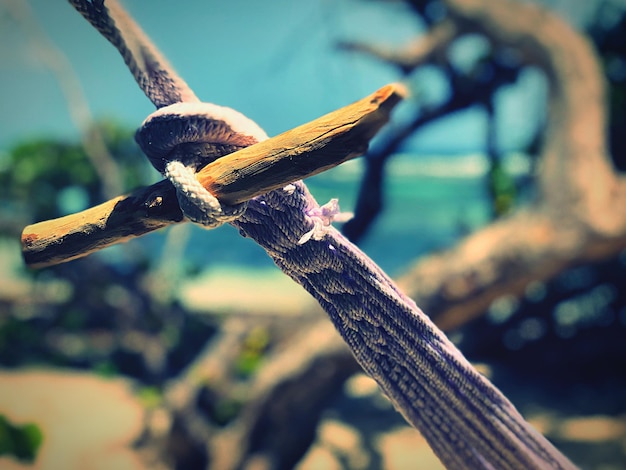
{"type": "Point", "coordinates": [430, 48]}
{"type": "Point", "coordinates": [578, 215]}
{"type": "Point", "coordinates": [57, 62]}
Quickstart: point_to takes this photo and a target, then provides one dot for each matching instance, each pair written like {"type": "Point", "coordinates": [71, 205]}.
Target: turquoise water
{"type": "Point", "coordinates": [430, 203]}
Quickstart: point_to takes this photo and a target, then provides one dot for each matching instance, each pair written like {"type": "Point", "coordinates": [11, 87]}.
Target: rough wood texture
{"type": "Point", "coordinates": [301, 152]}
{"type": "Point", "coordinates": [304, 151]}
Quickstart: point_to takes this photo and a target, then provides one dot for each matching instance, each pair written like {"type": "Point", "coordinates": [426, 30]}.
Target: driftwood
{"type": "Point", "coordinates": [301, 152]}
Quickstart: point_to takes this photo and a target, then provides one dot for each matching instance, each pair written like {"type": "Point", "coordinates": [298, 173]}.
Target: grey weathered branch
{"type": "Point", "coordinates": [429, 48]}
{"type": "Point", "coordinates": [558, 231]}
{"type": "Point", "coordinates": [578, 216]}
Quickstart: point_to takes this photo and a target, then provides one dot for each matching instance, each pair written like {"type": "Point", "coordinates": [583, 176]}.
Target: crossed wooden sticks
{"type": "Point", "coordinates": [293, 155]}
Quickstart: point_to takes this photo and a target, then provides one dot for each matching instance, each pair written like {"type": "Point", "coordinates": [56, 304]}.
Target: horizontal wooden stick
{"type": "Point", "coordinates": [301, 152]}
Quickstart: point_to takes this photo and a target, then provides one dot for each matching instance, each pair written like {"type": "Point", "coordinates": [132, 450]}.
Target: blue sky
{"type": "Point", "coordinates": [275, 61]}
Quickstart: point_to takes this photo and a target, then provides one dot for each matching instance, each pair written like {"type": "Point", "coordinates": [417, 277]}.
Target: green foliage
{"type": "Point", "coordinates": [252, 351]}
{"type": "Point", "coordinates": [503, 189]}
{"type": "Point", "coordinates": [22, 442]}
{"type": "Point", "coordinates": [225, 410]}
{"type": "Point", "coordinates": [221, 406]}
{"type": "Point", "coordinates": [73, 315]}
{"type": "Point", "coordinates": [38, 174]}
{"type": "Point", "coordinates": [150, 397]}
{"type": "Point", "coordinates": [106, 369]}
{"type": "Point", "coordinates": [15, 332]}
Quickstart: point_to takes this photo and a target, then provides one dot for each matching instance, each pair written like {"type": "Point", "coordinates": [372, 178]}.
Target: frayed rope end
{"type": "Point", "coordinates": [322, 218]}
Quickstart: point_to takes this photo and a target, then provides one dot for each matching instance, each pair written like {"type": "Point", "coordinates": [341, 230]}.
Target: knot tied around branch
{"type": "Point", "coordinates": [322, 217]}
{"type": "Point", "coordinates": [189, 141]}
{"type": "Point", "coordinates": [182, 138]}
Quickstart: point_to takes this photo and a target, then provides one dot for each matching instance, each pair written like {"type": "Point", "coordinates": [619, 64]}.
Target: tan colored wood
{"type": "Point", "coordinates": [301, 152]}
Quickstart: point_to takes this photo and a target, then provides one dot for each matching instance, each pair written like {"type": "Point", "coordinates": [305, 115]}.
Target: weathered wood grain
{"type": "Point", "coordinates": [298, 153]}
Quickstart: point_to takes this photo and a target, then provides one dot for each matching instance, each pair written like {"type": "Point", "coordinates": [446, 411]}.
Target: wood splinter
{"type": "Point", "coordinates": [293, 155]}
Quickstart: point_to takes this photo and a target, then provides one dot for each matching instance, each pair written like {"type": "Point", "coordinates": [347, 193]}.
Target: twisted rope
{"type": "Point", "coordinates": [468, 423]}
{"type": "Point", "coordinates": [154, 75]}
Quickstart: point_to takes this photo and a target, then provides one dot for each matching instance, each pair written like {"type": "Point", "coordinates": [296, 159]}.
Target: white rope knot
{"type": "Point", "coordinates": [322, 218]}
{"type": "Point", "coordinates": [181, 138]}
{"type": "Point", "coordinates": [196, 203]}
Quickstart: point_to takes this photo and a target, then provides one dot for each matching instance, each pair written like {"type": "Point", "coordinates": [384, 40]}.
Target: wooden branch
{"type": "Point", "coordinates": [578, 216]}
{"type": "Point", "coordinates": [301, 152]}
{"type": "Point", "coordinates": [427, 49]}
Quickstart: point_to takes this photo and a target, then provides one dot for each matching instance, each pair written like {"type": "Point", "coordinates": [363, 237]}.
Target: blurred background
{"type": "Point", "coordinates": [190, 349]}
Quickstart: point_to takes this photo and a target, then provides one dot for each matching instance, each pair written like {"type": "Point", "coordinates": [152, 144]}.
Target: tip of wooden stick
{"type": "Point", "coordinates": [389, 95]}
{"type": "Point", "coordinates": [393, 90]}
{"type": "Point", "coordinates": [401, 89]}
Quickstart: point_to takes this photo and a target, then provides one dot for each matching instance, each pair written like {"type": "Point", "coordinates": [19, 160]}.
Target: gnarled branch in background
{"type": "Point", "coordinates": [578, 215]}
{"type": "Point", "coordinates": [476, 88]}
